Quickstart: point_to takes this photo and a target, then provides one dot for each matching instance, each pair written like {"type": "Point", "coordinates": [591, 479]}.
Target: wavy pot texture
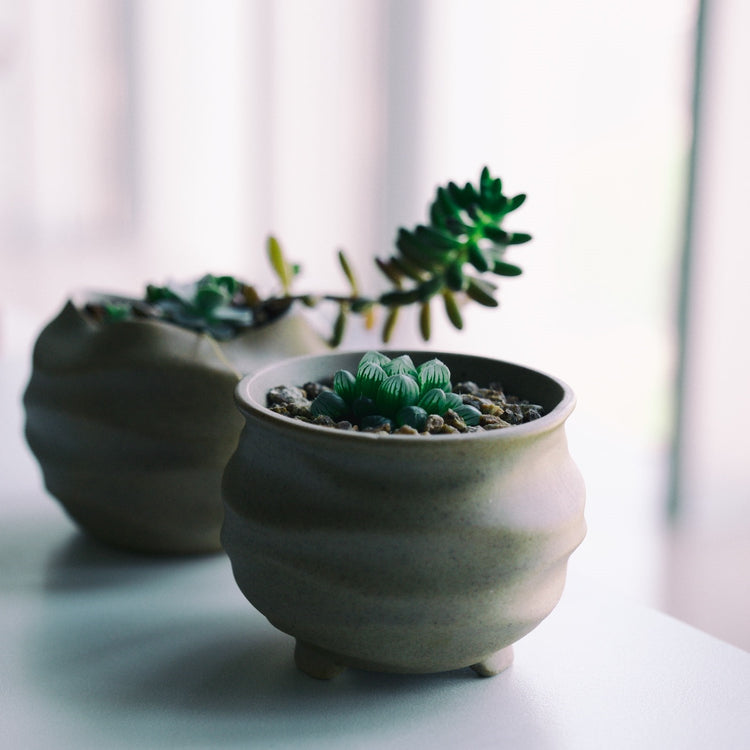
{"type": "Point", "coordinates": [132, 423]}
{"type": "Point", "coordinates": [403, 553]}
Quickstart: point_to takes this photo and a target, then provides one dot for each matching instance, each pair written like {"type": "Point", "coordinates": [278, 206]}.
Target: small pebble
{"type": "Point", "coordinates": [488, 407]}
{"type": "Point", "coordinates": [492, 422]}
{"type": "Point", "coordinates": [301, 409]}
{"type": "Point", "coordinates": [453, 420]}
{"type": "Point", "coordinates": [434, 424]}
{"type": "Point", "coordinates": [531, 412]}
{"type": "Point", "coordinates": [385, 427]}
{"type": "Point", "coordinates": [406, 429]}
{"type": "Point", "coordinates": [285, 394]}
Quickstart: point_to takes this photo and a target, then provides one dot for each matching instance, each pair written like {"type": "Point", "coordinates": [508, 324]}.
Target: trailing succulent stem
{"type": "Point", "coordinates": [392, 392]}
{"type": "Point", "coordinates": [448, 257]}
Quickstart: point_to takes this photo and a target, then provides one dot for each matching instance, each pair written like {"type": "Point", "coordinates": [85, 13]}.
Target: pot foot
{"type": "Point", "coordinates": [495, 663]}
{"type": "Point", "coordinates": [316, 662]}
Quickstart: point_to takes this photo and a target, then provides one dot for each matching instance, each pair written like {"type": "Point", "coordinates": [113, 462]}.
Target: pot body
{"type": "Point", "coordinates": [133, 422]}
{"type": "Point", "coordinates": [403, 553]}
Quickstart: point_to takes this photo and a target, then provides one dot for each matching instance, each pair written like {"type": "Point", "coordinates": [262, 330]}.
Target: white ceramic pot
{"type": "Point", "coordinates": [402, 553]}
{"type": "Point", "coordinates": [133, 422]}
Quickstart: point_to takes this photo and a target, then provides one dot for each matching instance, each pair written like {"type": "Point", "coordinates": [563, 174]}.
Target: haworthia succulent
{"type": "Point", "coordinates": [393, 392]}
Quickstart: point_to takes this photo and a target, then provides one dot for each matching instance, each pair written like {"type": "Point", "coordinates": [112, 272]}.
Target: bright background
{"type": "Point", "coordinates": [144, 141]}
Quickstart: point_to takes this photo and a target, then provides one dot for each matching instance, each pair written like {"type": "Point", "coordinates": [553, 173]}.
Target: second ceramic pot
{"type": "Point", "coordinates": [132, 423]}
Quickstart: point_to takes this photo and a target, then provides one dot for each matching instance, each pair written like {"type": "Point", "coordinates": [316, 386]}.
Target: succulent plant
{"type": "Point", "coordinates": [392, 392]}
{"type": "Point", "coordinates": [462, 241]}
{"type": "Point", "coordinates": [448, 257]}
{"type": "Point", "coordinates": [220, 306]}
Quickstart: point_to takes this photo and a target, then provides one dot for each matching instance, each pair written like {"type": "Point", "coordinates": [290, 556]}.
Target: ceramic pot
{"type": "Point", "coordinates": [402, 553]}
{"type": "Point", "coordinates": [133, 422]}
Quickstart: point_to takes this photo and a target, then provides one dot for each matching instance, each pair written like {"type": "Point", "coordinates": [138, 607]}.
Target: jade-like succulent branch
{"type": "Point", "coordinates": [463, 240]}
{"type": "Point", "coordinates": [449, 257]}
{"type": "Point", "coordinates": [392, 391]}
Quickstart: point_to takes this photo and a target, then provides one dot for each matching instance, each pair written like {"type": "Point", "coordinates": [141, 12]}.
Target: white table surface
{"type": "Point", "coordinates": [101, 649]}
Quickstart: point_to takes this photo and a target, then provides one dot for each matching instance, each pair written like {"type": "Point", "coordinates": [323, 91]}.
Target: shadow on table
{"type": "Point", "coordinates": [170, 653]}
{"type": "Point", "coordinates": [84, 563]}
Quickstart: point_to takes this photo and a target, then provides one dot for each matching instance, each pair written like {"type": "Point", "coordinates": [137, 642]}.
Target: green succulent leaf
{"type": "Point", "coordinates": [279, 264]}
{"type": "Point", "coordinates": [454, 275]}
{"type": "Point", "coordinates": [433, 374]}
{"type": "Point", "coordinates": [401, 365]}
{"type": "Point", "coordinates": [390, 271]}
{"type": "Point", "coordinates": [434, 401]}
{"type": "Point", "coordinates": [158, 293]}
{"type": "Point", "coordinates": [348, 270]}
{"type": "Point", "coordinates": [452, 401]}
{"type": "Point", "coordinates": [516, 202]}
{"type": "Point", "coordinates": [372, 356]}
{"type": "Point", "coordinates": [395, 392]}
{"type": "Point", "coordinates": [209, 297]}
{"type": "Point", "coordinates": [430, 288]}
{"type": "Point", "coordinates": [468, 199]}
{"type": "Point", "coordinates": [400, 298]}
{"type": "Point", "coordinates": [345, 384]}
{"type": "Point", "coordinates": [482, 292]}
{"type": "Point", "coordinates": [518, 238]}
{"type": "Point", "coordinates": [229, 283]}
{"type": "Point", "coordinates": [425, 321]}
{"type": "Point", "coordinates": [501, 268]}
{"type": "Point", "coordinates": [407, 268]}
{"type": "Point", "coordinates": [468, 413]}
{"type": "Point", "coordinates": [115, 311]}
{"type": "Point", "coordinates": [436, 238]}
{"type": "Point", "coordinates": [446, 204]}
{"type": "Point", "coordinates": [363, 407]}
{"type": "Point", "coordinates": [329, 404]}
{"type": "Point", "coordinates": [496, 234]}
{"type": "Point", "coordinates": [369, 377]}
{"type": "Point", "coordinates": [414, 250]}
{"type": "Point", "coordinates": [494, 202]}
{"type": "Point", "coordinates": [390, 323]}
{"type": "Point", "coordinates": [339, 326]}
{"type": "Point", "coordinates": [487, 185]}
{"type": "Point", "coordinates": [478, 257]}
{"type": "Point", "coordinates": [452, 309]}
{"type": "Point", "coordinates": [414, 416]}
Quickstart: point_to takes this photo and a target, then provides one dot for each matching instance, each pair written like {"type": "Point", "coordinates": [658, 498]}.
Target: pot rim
{"type": "Point", "coordinates": [249, 406]}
